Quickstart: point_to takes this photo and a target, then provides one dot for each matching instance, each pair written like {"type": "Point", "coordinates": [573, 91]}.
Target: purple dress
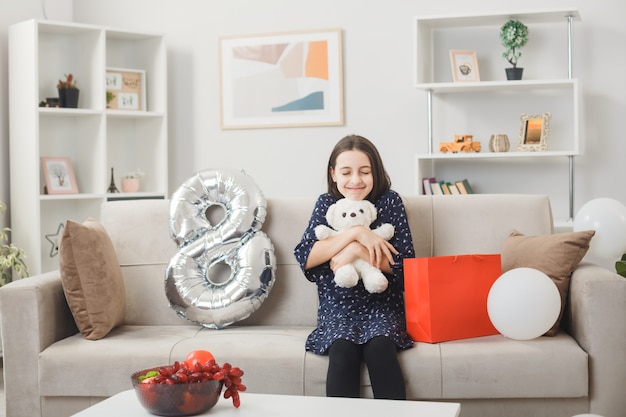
{"type": "Point", "coordinates": [353, 313]}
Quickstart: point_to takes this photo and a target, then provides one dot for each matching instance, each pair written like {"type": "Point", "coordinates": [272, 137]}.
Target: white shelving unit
{"type": "Point", "coordinates": [494, 105]}
{"type": "Point", "coordinates": [93, 138]}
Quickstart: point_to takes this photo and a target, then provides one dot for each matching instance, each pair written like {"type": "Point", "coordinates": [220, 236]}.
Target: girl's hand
{"type": "Point", "coordinates": [347, 255]}
{"type": "Point", "coordinates": [371, 247]}
{"type": "Point", "coordinates": [378, 248]}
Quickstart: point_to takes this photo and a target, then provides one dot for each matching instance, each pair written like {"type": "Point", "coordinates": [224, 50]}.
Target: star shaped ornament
{"type": "Point", "coordinates": [54, 241]}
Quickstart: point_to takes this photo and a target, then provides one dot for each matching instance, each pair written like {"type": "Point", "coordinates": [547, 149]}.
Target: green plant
{"type": "Point", "coordinates": [135, 174]}
{"type": "Point", "coordinates": [12, 258]}
{"type": "Point", "coordinates": [514, 35]}
{"type": "Point", "coordinates": [620, 266]}
{"type": "Point", "coordinates": [110, 97]}
{"type": "Point", "coordinates": [69, 82]}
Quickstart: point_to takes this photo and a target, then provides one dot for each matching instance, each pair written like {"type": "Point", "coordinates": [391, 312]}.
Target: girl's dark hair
{"type": "Point", "coordinates": [382, 182]}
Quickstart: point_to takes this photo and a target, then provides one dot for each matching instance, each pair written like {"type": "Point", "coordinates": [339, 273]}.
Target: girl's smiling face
{"type": "Point", "coordinates": [353, 174]}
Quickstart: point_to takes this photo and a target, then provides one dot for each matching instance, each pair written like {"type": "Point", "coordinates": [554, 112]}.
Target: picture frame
{"type": "Point", "coordinates": [464, 66]}
{"type": "Point", "coordinates": [289, 79]}
{"type": "Point", "coordinates": [534, 132]}
{"type": "Point", "coordinates": [59, 175]}
{"type": "Point", "coordinates": [125, 89]}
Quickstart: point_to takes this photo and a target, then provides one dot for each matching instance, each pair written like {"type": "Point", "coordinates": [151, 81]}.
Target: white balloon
{"type": "Point", "coordinates": [523, 303]}
{"type": "Point", "coordinates": [608, 218]}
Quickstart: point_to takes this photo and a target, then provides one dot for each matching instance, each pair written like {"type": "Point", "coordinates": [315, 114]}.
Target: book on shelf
{"type": "Point", "coordinates": [430, 186]}
{"type": "Point", "coordinates": [426, 185]}
{"type": "Point", "coordinates": [464, 187]}
{"type": "Point", "coordinates": [436, 188]}
{"type": "Point", "coordinates": [454, 190]}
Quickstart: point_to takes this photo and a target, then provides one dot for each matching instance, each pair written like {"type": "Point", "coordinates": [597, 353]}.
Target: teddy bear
{"type": "Point", "coordinates": [342, 215]}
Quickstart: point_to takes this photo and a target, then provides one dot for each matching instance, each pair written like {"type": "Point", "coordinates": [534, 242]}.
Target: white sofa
{"type": "Point", "coordinates": [51, 370]}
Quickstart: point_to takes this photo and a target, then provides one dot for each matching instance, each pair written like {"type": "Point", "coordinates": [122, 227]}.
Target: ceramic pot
{"type": "Point", "coordinates": [68, 97]}
{"type": "Point", "coordinates": [499, 143]}
{"type": "Point", "coordinates": [130, 185]}
{"type": "Point", "coordinates": [514, 73]}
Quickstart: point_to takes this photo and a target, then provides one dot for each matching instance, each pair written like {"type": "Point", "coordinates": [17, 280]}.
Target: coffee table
{"type": "Point", "coordinates": [125, 404]}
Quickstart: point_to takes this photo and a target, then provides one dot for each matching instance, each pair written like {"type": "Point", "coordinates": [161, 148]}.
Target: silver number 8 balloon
{"type": "Point", "coordinates": [234, 244]}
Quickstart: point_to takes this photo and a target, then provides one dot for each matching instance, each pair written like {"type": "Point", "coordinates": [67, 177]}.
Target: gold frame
{"type": "Point", "coordinates": [462, 61]}
{"type": "Point", "coordinates": [534, 132]}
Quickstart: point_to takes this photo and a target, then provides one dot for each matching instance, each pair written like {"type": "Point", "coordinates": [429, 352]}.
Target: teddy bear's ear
{"type": "Point", "coordinates": [330, 214]}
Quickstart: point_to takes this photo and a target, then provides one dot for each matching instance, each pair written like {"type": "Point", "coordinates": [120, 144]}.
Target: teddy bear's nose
{"type": "Point", "coordinates": [353, 214]}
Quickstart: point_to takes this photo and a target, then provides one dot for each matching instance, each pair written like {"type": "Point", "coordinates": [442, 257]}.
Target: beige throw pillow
{"type": "Point", "coordinates": [555, 255]}
{"type": "Point", "coordinates": [91, 278]}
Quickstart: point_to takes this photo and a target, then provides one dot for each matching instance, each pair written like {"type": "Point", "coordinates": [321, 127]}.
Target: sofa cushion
{"type": "Point", "coordinates": [144, 261]}
{"type": "Point", "coordinates": [272, 357]}
{"type": "Point", "coordinates": [499, 367]}
{"type": "Point", "coordinates": [75, 366]}
{"type": "Point", "coordinates": [421, 367]}
{"type": "Point", "coordinates": [91, 278]}
{"type": "Point", "coordinates": [485, 367]}
{"type": "Point", "coordinates": [555, 255]}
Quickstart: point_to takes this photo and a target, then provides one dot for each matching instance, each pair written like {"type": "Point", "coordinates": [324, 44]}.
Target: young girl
{"type": "Point", "coordinates": [353, 325]}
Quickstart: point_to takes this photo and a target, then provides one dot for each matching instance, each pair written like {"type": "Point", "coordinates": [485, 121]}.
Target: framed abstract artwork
{"type": "Point", "coordinates": [281, 80]}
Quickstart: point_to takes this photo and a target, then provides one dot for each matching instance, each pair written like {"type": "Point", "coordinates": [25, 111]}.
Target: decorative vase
{"type": "Point", "coordinates": [130, 185]}
{"type": "Point", "coordinates": [499, 143]}
{"type": "Point", "coordinates": [68, 97]}
{"type": "Point", "coordinates": [514, 73]}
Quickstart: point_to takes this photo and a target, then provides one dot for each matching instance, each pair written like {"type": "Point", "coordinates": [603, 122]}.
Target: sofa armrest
{"type": "Point", "coordinates": [35, 314]}
{"type": "Point", "coordinates": [594, 317]}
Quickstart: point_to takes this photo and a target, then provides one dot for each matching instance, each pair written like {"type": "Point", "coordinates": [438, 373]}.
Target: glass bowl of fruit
{"type": "Point", "coordinates": [187, 388]}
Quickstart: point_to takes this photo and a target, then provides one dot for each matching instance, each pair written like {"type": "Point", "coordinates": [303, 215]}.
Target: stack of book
{"type": "Point", "coordinates": [430, 186]}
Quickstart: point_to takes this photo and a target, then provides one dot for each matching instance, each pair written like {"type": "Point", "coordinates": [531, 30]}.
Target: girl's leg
{"type": "Point", "coordinates": [344, 370]}
{"type": "Point", "coordinates": [381, 357]}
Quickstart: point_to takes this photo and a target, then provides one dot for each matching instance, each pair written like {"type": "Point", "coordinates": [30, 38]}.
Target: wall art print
{"type": "Point", "coordinates": [58, 175]}
{"type": "Point", "coordinates": [126, 89]}
{"type": "Point", "coordinates": [282, 80]}
{"type": "Point", "coordinates": [464, 66]}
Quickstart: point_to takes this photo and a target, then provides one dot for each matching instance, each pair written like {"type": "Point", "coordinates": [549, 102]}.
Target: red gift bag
{"type": "Point", "coordinates": [446, 296]}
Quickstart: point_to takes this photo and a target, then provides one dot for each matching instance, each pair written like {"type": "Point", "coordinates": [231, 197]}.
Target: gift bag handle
{"type": "Point", "coordinates": [474, 256]}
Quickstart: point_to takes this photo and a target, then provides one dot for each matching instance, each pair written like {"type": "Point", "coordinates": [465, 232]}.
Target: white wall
{"type": "Point", "coordinates": [380, 102]}
{"type": "Point", "coordinates": [13, 12]}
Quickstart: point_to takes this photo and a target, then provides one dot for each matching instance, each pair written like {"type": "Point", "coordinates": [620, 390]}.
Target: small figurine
{"type": "Point", "coordinates": [112, 186]}
{"type": "Point", "coordinates": [463, 143]}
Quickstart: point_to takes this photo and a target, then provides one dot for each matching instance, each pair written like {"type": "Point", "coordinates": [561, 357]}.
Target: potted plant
{"type": "Point", "coordinates": [12, 257]}
{"type": "Point", "coordinates": [620, 266]}
{"type": "Point", "coordinates": [514, 35]}
{"type": "Point", "coordinates": [110, 97]}
{"type": "Point", "coordinates": [130, 183]}
{"type": "Point", "coordinates": [68, 92]}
